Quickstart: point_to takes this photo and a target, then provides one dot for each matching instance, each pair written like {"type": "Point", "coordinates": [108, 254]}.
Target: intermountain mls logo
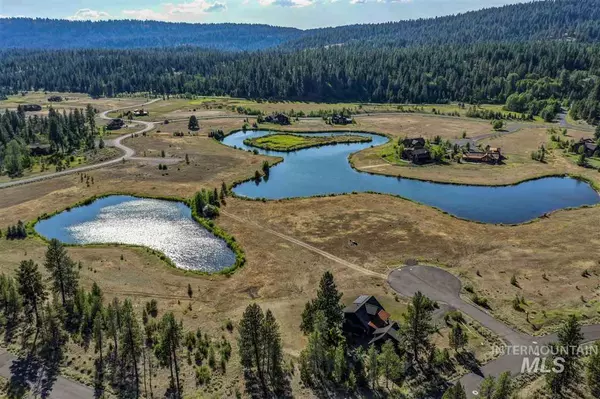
{"type": "Point", "coordinates": [542, 358]}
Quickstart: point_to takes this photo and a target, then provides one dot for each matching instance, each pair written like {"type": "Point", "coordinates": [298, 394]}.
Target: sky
{"type": "Point", "coordinates": [302, 14]}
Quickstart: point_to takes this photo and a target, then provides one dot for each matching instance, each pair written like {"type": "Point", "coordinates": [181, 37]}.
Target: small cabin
{"type": "Point", "coordinates": [40, 149]}
{"type": "Point", "coordinates": [589, 147]}
{"type": "Point", "coordinates": [115, 124]}
{"type": "Point", "coordinates": [31, 107]}
{"type": "Point", "coordinates": [341, 120]}
{"type": "Point", "coordinates": [140, 112]}
{"type": "Point", "coordinates": [280, 119]}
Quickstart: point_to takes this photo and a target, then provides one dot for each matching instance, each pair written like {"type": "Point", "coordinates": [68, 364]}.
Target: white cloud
{"type": "Point", "coordinates": [287, 3]}
{"type": "Point", "coordinates": [187, 11]}
{"type": "Point", "coordinates": [379, 1]}
{"type": "Point", "coordinates": [86, 14]}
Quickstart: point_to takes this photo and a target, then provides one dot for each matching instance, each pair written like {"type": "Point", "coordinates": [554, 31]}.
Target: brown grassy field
{"type": "Point", "coordinates": [282, 276]}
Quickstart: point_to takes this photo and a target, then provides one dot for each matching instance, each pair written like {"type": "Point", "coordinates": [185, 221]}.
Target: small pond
{"type": "Point", "coordinates": [166, 226]}
{"type": "Point", "coordinates": [326, 170]}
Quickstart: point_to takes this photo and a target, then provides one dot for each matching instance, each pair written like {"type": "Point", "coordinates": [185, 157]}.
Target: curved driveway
{"type": "Point", "coordinates": [444, 287]}
{"type": "Point", "coordinates": [128, 152]}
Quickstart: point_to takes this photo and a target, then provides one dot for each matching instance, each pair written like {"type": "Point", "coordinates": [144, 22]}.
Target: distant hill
{"type": "Point", "coordinates": [122, 34]}
{"type": "Point", "coordinates": [573, 20]}
{"type": "Point", "coordinates": [539, 20]}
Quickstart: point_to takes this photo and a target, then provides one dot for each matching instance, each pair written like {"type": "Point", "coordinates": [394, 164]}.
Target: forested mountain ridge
{"type": "Point", "coordinates": [577, 20]}
{"type": "Point", "coordinates": [536, 72]}
{"type": "Point", "coordinates": [539, 20]}
{"type": "Point", "coordinates": [55, 33]}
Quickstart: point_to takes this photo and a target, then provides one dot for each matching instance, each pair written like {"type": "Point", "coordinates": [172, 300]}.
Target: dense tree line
{"type": "Point", "coordinates": [64, 132]}
{"type": "Point", "coordinates": [55, 33]}
{"type": "Point", "coordinates": [539, 20]}
{"type": "Point", "coordinates": [129, 347]}
{"type": "Point", "coordinates": [438, 74]}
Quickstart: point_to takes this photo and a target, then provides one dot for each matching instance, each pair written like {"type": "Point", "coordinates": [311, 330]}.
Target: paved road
{"type": "Point", "coordinates": [61, 389]}
{"type": "Point", "coordinates": [444, 287]}
{"type": "Point", "coordinates": [128, 153]}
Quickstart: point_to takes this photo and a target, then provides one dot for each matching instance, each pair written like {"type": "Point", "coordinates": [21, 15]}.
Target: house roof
{"type": "Point", "coordinates": [389, 331]}
{"type": "Point", "coordinates": [420, 151]}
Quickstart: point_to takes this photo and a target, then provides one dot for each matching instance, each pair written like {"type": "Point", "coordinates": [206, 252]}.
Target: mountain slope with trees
{"type": "Point", "coordinates": [55, 33]}
{"type": "Point", "coordinates": [570, 20]}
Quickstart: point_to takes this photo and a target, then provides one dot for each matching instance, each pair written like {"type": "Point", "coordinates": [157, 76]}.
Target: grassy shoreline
{"type": "Point", "coordinates": [209, 225]}
{"type": "Point", "coordinates": [289, 142]}
{"type": "Point", "coordinates": [595, 186]}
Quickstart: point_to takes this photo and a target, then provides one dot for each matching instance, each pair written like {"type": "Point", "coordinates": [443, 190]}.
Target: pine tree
{"type": "Point", "coordinates": [327, 301]}
{"type": "Point", "coordinates": [504, 387]}
{"type": "Point", "coordinates": [418, 327]}
{"type": "Point", "coordinates": [193, 123]}
{"type": "Point", "coordinates": [373, 366]}
{"type": "Point", "coordinates": [169, 342]}
{"type": "Point", "coordinates": [251, 342]}
{"type": "Point", "coordinates": [130, 341]}
{"type": "Point", "coordinates": [339, 363]}
{"type": "Point", "coordinates": [53, 335]}
{"type": "Point", "coordinates": [488, 387]}
{"type": "Point", "coordinates": [273, 351]}
{"type": "Point", "coordinates": [98, 348]}
{"type": "Point", "coordinates": [569, 339]}
{"type": "Point", "coordinates": [31, 288]}
{"type": "Point", "coordinates": [455, 392]}
{"type": "Point", "coordinates": [390, 364]}
{"type": "Point", "coordinates": [593, 372]}
{"type": "Point", "coordinates": [64, 273]}
{"type": "Point", "coordinates": [458, 338]}
{"type": "Point", "coordinates": [113, 323]}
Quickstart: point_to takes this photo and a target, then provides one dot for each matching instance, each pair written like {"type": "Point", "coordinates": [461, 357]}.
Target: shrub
{"type": "Point", "coordinates": [203, 375]}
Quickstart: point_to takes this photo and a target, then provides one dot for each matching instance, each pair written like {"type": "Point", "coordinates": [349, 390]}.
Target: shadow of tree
{"type": "Point", "coordinates": [24, 371]}
{"type": "Point", "coordinates": [467, 359]}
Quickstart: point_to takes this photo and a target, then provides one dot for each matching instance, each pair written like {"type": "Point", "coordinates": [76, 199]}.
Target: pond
{"type": "Point", "coordinates": [326, 170]}
{"type": "Point", "coordinates": [166, 226]}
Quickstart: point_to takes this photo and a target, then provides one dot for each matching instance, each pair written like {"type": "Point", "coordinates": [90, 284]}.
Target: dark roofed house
{"type": "Point", "coordinates": [115, 124]}
{"type": "Point", "coordinates": [415, 151]}
{"type": "Point", "coordinates": [280, 119]}
{"type": "Point", "coordinates": [589, 147]}
{"type": "Point", "coordinates": [341, 120]}
{"type": "Point", "coordinates": [32, 107]}
{"type": "Point", "coordinates": [418, 142]}
{"type": "Point", "coordinates": [40, 149]}
{"type": "Point", "coordinates": [366, 321]}
{"type": "Point", "coordinates": [420, 155]}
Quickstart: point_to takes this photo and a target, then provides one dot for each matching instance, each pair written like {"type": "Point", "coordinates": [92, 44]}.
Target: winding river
{"type": "Point", "coordinates": [326, 170]}
{"type": "Point", "coordinates": [166, 226]}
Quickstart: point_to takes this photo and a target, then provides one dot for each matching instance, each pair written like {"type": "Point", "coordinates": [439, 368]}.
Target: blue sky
{"type": "Point", "coordinates": [298, 13]}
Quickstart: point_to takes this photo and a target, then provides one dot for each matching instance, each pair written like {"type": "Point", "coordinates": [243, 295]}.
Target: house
{"type": "Point", "coordinates": [415, 151]}
{"type": "Point", "coordinates": [115, 124]}
{"type": "Point", "coordinates": [367, 322]}
{"type": "Point", "coordinates": [32, 107]}
{"type": "Point", "coordinates": [280, 119]}
{"type": "Point", "coordinates": [140, 112]}
{"type": "Point", "coordinates": [341, 120]}
{"type": "Point", "coordinates": [40, 149]}
{"type": "Point", "coordinates": [482, 157]}
{"type": "Point", "coordinates": [589, 147]}
{"type": "Point", "coordinates": [418, 142]}
{"type": "Point", "coordinates": [418, 156]}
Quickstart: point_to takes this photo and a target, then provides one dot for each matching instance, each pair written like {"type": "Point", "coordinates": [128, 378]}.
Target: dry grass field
{"type": "Point", "coordinates": [548, 257]}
